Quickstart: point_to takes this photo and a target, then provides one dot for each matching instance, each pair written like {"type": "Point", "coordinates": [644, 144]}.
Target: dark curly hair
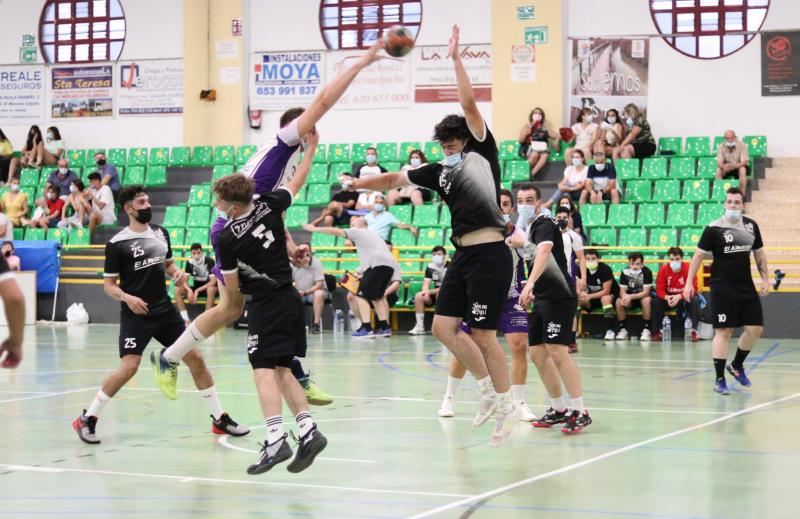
{"type": "Point", "coordinates": [451, 127]}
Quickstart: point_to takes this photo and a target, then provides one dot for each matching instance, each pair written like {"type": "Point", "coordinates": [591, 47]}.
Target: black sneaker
{"type": "Point", "coordinates": [311, 444]}
{"type": "Point", "coordinates": [576, 422]}
{"type": "Point", "coordinates": [226, 425]}
{"type": "Point", "coordinates": [84, 426]}
{"type": "Point", "coordinates": [271, 454]}
{"type": "Point", "coordinates": [315, 329]}
{"type": "Point", "coordinates": [551, 418]}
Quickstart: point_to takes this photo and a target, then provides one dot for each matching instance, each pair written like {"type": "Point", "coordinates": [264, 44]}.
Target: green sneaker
{"type": "Point", "coordinates": [166, 374]}
{"type": "Point", "coordinates": [315, 395]}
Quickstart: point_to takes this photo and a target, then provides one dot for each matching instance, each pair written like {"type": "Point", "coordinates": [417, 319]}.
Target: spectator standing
{"type": "Point", "coordinates": [670, 282]}
{"type": "Point", "coordinates": [415, 195]}
{"type": "Point", "coordinates": [108, 173]}
{"type": "Point", "coordinates": [639, 141]}
{"type": "Point", "coordinates": [102, 203]}
{"type": "Point", "coordinates": [15, 203]}
{"type": "Point", "coordinates": [601, 182]}
{"type": "Point", "coordinates": [7, 251]}
{"type": "Point", "coordinates": [586, 136]}
{"type": "Point", "coordinates": [7, 163]}
{"type": "Point", "coordinates": [309, 280]}
{"type": "Point", "coordinates": [79, 201]}
{"type": "Point", "coordinates": [733, 160]}
{"type": "Point", "coordinates": [534, 139]}
{"type": "Point", "coordinates": [63, 177]}
{"type": "Point", "coordinates": [382, 221]}
{"type": "Point", "coordinates": [52, 149]}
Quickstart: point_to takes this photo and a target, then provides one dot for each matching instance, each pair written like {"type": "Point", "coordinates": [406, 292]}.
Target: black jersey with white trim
{"type": "Point", "coordinates": [255, 245]}
{"type": "Point", "coordinates": [555, 281]}
{"type": "Point", "coordinates": [731, 245]}
{"type": "Point", "coordinates": [139, 260]}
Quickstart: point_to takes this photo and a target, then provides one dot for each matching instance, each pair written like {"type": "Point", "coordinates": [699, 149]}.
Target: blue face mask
{"type": "Point", "coordinates": [506, 218]}
{"type": "Point", "coordinates": [415, 162]}
{"type": "Point", "coordinates": [629, 122]}
{"type": "Point", "coordinates": [526, 212]}
{"type": "Point", "coordinates": [452, 161]}
{"type": "Point", "coordinates": [733, 214]}
{"type": "Point", "coordinates": [372, 159]}
{"type": "Point", "coordinates": [378, 208]}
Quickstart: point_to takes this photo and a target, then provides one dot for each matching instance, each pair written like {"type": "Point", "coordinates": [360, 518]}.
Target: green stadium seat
{"type": "Point", "coordinates": [664, 237]}
{"type": "Point", "coordinates": [654, 168]}
{"type": "Point", "coordinates": [79, 237]}
{"type": "Point", "coordinates": [627, 169]}
{"type": "Point", "coordinates": [319, 239]}
{"type": "Point", "coordinates": [175, 216]}
{"type": "Point", "coordinates": [414, 286]}
{"type": "Point", "coordinates": [198, 216]}
{"type": "Point", "coordinates": [620, 215]}
{"type": "Point", "coordinates": [348, 262]}
{"type": "Point", "coordinates": [296, 216]}
{"type": "Point", "coordinates": [76, 158]}
{"type": "Point", "coordinates": [650, 215]}
{"type": "Point", "coordinates": [159, 157]}
{"type": "Point", "coordinates": [117, 157]}
{"type": "Point", "coordinates": [387, 152]}
{"type": "Point", "coordinates": [201, 156]}
{"type": "Point", "coordinates": [133, 175]}
{"type": "Point", "coordinates": [690, 236]}
{"type": "Point", "coordinates": [697, 147]}
{"type": "Point", "coordinates": [680, 215]}
{"type": "Point", "coordinates": [670, 144]}
{"type": "Point", "coordinates": [444, 216]}
{"type": "Point", "coordinates": [221, 171]}
{"type": "Point", "coordinates": [197, 235]}
{"type": "Point", "coordinates": [682, 167]}
{"type": "Point", "coordinates": [603, 236]}
{"type": "Point", "coordinates": [403, 238]}
{"type": "Point", "coordinates": [509, 150]}
{"type": "Point", "coordinates": [339, 153]}
{"type": "Point", "coordinates": [45, 175]}
{"type": "Point", "coordinates": [244, 152]}
{"type": "Point", "coordinates": [719, 139]}
{"type": "Point", "coordinates": [391, 166]}
{"type": "Point", "coordinates": [757, 145]}
{"type": "Point", "coordinates": [180, 156]}
{"type": "Point", "coordinates": [19, 233]}
{"type": "Point", "coordinates": [137, 157]}
{"type": "Point", "coordinates": [359, 149]}
{"type": "Point", "coordinates": [318, 174]}
{"type": "Point", "coordinates": [29, 177]}
{"type": "Point", "coordinates": [155, 176]}
{"type": "Point", "coordinates": [300, 197]}
{"type": "Point", "coordinates": [707, 167]}
{"type": "Point", "coordinates": [30, 192]}
{"type": "Point", "coordinates": [433, 151]}
{"type": "Point", "coordinates": [177, 235]}
{"type": "Point", "coordinates": [517, 171]}
{"type": "Point", "coordinates": [57, 234]}
{"type": "Point", "coordinates": [707, 213]}
{"type": "Point", "coordinates": [401, 212]}
{"type": "Point", "coordinates": [695, 190]}
{"type": "Point", "coordinates": [430, 237]}
{"type": "Point", "coordinates": [223, 155]}
{"type": "Point", "coordinates": [200, 194]}
{"type": "Point", "coordinates": [633, 237]}
{"type": "Point", "coordinates": [406, 148]}
{"type": "Point", "coordinates": [318, 194]}
{"type": "Point", "coordinates": [558, 155]}
{"type": "Point", "coordinates": [594, 214]}
{"type": "Point", "coordinates": [667, 190]}
{"type": "Point", "coordinates": [35, 234]}
{"type": "Point", "coordinates": [426, 216]}
{"type": "Point", "coordinates": [721, 187]}
{"type": "Point", "coordinates": [89, 163]}
{"type": "Point", "coordinates": [410, 261]}
{"type": "Point", "coordinates": [638, 190]}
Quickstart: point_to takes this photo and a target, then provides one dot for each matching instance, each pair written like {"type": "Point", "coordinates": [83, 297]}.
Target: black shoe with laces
{"type": "Point", "coordinates": [85, 426]}
{"type": "Point", "coordinates": [309, 445]}
{"type": "Point", "coordinates": [226, 425]}
{"type": "Point", "coordinates": [576, 422]}
{"type": "Point", "coordinates": [551, 418]}
{"type": "Point", "coordinates": [271, 454]}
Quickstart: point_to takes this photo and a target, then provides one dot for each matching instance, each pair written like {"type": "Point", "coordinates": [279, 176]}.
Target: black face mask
{"type": "Point", "coordinates": [101, 162]}
{"type": "Point", "coordinates": [7, 254]}
{"type": "Point", "coordinates": [144, 215]}
{"type": "Point", "coordinates": [562, 224]}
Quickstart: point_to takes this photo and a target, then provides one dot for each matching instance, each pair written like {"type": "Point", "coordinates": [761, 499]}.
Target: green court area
{"type": "Point", "coordinates": [662, 444]}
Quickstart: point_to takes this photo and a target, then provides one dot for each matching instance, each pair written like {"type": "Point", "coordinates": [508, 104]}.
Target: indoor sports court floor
{"type": "Point", "coordinates": [662, 444]}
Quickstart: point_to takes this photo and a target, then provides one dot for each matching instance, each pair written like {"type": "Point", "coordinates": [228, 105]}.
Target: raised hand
{"type": "Point", "coordinates": [452, 52]}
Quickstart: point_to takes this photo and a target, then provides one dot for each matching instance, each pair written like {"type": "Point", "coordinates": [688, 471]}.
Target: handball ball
{"type": "Point", "coordinates": [398, 41]}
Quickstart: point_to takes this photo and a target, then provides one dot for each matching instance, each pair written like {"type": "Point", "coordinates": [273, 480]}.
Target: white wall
{"type": "Point", "coordinates": [154, 31]}
{"type": "Point", "coordinates": [701, 97]}
{"type": "Point", "coordinates": [301, 32]}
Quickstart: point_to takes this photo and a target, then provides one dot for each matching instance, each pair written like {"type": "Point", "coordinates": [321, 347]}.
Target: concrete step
{"type": "Point", "coordinates": [781, 173]}
{"type": "Point", "coordinates": [786, 162]}
{"type": "Point", "coordinates": [762, 196]}
{"type": "Point", "coordinates": [779, 184]}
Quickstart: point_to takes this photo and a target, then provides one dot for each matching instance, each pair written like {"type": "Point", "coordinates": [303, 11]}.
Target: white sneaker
{"type": "Point", "coordinates": [645, 336]}
{"type": "Point", "coordinates": [610, 335]}
{"type": "Point", "coordinates": [622, 335]}
{"type": "Point", "coordinates": [505, 415]}
{"type": "Point", "coordinates": [523, 411]}
{"type": "Point", "coordinates": [446, 410]}
{"type": "Point", "coordinates": [487, 407]}
{"type": "Point", "coordinates": [417, 330]}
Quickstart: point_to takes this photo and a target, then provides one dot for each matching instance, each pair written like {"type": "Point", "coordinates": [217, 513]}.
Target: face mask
{"type": "Point", "coordinates": [101, 162]}
{"type": "Point", "coordinates": [592, 265]}
{"type": "Point", "coordinates": [526, 212]}
{"type": "Point", "coordinates": [378, 208]}
{"type": "Point", "coordinates": [587, 118]}
{"type": "Point", "coordinates": [537, 118]}
{"type": "Point", "coordinates": [506, 218]}
{"type": "Point", "coordinates": [577, 162]}
{"type": "Point", "coordinates": [452, 161]}
{"type": "Point", "coordinates": [222, 214]}
{"type": "Point", "coordinates": [635, 270]}
{"type": "Point", "coordinates": [51, 196]}
{"type": "Point", "coordinates": [600, 167]}
{"type": "Point", "coordinates": [63, 171]}
{"type": "Point", "coordinates": [72, 188]}
{"type": "Point", "coordinates": [144, 215]}
{"type": "Point", "coordinates": [629, 121]}
{"type": "Point", "coordinates": [612, 120]}
{"type": "Point", "coordinates": [562, 224]}
{"type": "Point", "coordinates": [438, 259]}
{"type": "Point", "coordinates": [372, 159]}
{"type": "Point", "coordinates": [50, 136]}
{"type": "Point", "coordinates": [733, 214]}
{"type": "Point", "coordinates": [415, 162]}
{"type": "Point", "coordinates": [15, 187]}
{"type": "Point", "coordinates": [675, 265]}
{"type": "Point", "coordinates": [730, 144]}
{"type": "Point", "coordinates": [567, 206]}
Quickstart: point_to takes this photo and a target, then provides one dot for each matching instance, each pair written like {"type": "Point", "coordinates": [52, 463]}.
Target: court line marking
{"type": "Point", "coordinates": [517, 484]}
{"type": "Point", "coordinates": [46, 395]}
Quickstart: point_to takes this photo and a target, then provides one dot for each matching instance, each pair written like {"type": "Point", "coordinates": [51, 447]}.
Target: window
{"type": "Point", "coordinates": [357, 24]}
{"type": "Point", "coordinates": [81, 31]}
{"type": "Point", "coordinates": [708, 29]}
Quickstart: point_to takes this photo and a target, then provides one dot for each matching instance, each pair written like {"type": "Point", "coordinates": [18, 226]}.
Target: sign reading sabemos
{"type": "Point", "coordinates": [82, 92]}
{"type": "Point", "coordinates": [281, 80]}
{"type": "Point", "coordinates": [435, 79]}
{"type": "Point", "coordinates": [21, 93]}
{"type": "Point", "coordinates": [151, 88]}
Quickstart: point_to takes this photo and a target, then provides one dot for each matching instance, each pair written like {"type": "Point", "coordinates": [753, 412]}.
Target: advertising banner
{"type": "Point", "coordinates": [150, 88]}
{"type": "Point", "coordinates": [780, 63]}
{"type": "Point", "coordinates": [384, 84]}
{"type": "Point", "coordinates": [435, 80]}
{"type": "Point", "coordinates": [22, 93]}
{"type": "Point", "coordinates": [281, 80]}
{"type": "Point", "coordinates": [86, 91]}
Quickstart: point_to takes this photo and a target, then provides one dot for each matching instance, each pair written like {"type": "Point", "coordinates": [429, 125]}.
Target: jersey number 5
{"type": "Point", "coordinates": [268, 237]}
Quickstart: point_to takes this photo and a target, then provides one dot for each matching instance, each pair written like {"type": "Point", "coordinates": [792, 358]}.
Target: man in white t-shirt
{"type": "Point", "coordinates": [102, 203]}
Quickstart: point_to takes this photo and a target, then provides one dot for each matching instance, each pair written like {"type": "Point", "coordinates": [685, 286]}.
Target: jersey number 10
{"type": "Point", "coordinates": [268, 237]}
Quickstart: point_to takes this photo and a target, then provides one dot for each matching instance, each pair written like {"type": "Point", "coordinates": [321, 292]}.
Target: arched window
{"type": "Point", "coordinates": [81, 31]}
{"type": "Point", "coordinates": [702, 28]}
{"type": "Point", "coordinates": [356, 24]}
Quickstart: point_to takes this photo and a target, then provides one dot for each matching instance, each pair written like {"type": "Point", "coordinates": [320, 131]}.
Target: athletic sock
{"type": "Point", "coordinates": [577, 404]}
{"type": "Point", "coordinates": [558, 404]}
{"type": "Point", "coordinates": [452, 385]}
{"type": "Point", "coordinates": [99, 402]}
{"type": "Point", "coordinates": [304, 422]}
{"type": "Point", "coordinates": [738, 360]}
{"type": "Point", "coordinates": [485, 385]}
{"type": "Point", "coordinates": [274, 429]}
{"type": "Point", "coordinates": [383, 325]}
{"type": "Point", "coordinates": [608, 312]}
{"type": "Point", "coordinates": [188, 340]}
{"type": "Point", "coordinates": [210, 396]}
{"type": "Point", "coordinates": [366, 326]}
{"type": "Point", "coordinates": [185, 315]}
{"type": "Point", "coordinates": [518, 392]}
{"type": "Point", "coordinates": [297, 371]}
{"type": "Point", "coordinates": [719, 368]}
{"type": "Point", "coordinates": [420, 320]}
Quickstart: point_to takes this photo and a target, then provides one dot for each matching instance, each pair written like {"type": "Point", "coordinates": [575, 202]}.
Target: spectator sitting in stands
{"type": "Point", "coordinates": [336, 215]}
{"type": "Point", "coordinates": [586, 136]}
{"type": "Point", "coordinates": [48, 211]}
{"type": "Point", "coordinates": [7, 250]}
{"type": "Point", "coordinates": [63, 178]}
{"type": "Point", "coordinates": [30, 153]}
{"type": "Point", "coordinates": [574, 179]}
{"type": "Point", "coordinates": [102, 203]}
{"type": "Point", "coordinates": [639, 141]}
{"type": "Point", "coordinates": [601, 290]}
{"type": "Point", "coordinates": [199, 267]}
{"type": "Point", "coordinates": [15, 203]}
{"type": "Point", "coordinates": [670, 282]}
{"type": "Point", "coordinates": [534, 139]}
{"type": "Point", "coordinates": [309, 280]}
{"type": "Point", "coordinates": [733, 160]}
{"type": "Point", "coordinates": [108, 173]}
{"type": "Point", "coordinates": [53, 148]}
{"type": "Point", "coordinates": [6, 228]}
{"type": "Point", "coordinates": [612, 132]}
{"type": "Point", "coordinates": [79, 200]}
{"type": "Point", "coordinates": [370, 167]}
{"type": "Point", "coordinates": [635, 284]}
{"type": "Point", "coordinates": [601, 182]}
{"type": "Point", "coordinates": [415, 195]}
{"type": "Point", "coordinates": [7, 161]}
{"type": "Point", "coordinates": [575, 219]}
{"type": "Point", "coordinates": [382, 221]}
{"type": "Point", "coordinates": [434, 276]}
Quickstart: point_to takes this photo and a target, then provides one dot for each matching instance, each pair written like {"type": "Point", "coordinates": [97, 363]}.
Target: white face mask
{"type": "Point", "coordinates": [63, 171]}
{"type": "Point", "coordinates": [415, 162]}
{"type": "Point", "coordinates": [730, 144]}
{"type": "Point", "coordinates": [15, 187]}
{"type": "Point", "coordinates": [629, 121]}
{"type": "Point", "coordinates": [576, 161]}
{"type": "Point", "coordinates": [612, 120]}
{"type": "Point", "coordinates": [452, 161]}
{"type": "Point", "coordinates": [438, 259]}
{"type": "Point", "coordinates": [51, 196]}
{"type": "Point", "coordinates": [526, 212]}
{"type": "Point", "coordinates": [587, 118]}
{"type": "Point", "coordinates": [50, 136]}
{"type": "Point", "coordinates": [372, 159]}
{"type": "Point", "coordinates": [72, 188]}
{"type": "Point", "coordinates": [675, 265]}
{"type": "Point", "coordinates": [600, 167]}
{"type": "Point", "coordinates": [733, 214]}
{"type": "Point", "coordinates": [536, 118]}
{"type": "Point", "coordinates": [506, 218]}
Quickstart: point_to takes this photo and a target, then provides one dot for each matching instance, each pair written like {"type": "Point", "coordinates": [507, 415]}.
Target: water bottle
{"type": "Point", "coordinates": [338, 321]}
{"type": "Point", "coordinates": [687, 329]}
{"type": "Point", "coordinates": [666, 329]}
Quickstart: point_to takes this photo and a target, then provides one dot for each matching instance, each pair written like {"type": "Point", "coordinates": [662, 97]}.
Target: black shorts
{"type": "Point", "coordinates": [276, 328]}
{"type": "Point", "coordinates": [476, 285]}
{"type": "Point", "coordinates": [733, 307]}
{"type": "Point", "coordinates": [636, 304]}
{"type": "Point", "coordinates": [342, 219]}
{"type": "Point", "coordinates": [734, 173]}
{"type": "Point", "coordinates": [136, 331]}
{"type": "Point", "coordinates": [199, 284]}
{"type": "Point", "coordinates": [374, 282]}
{"type": "Point", "coordinates": [596, 304]}
{"type": "Point", "coordinates": [551, 322]}
{"type": "Point", "coordinates": [643, 149]}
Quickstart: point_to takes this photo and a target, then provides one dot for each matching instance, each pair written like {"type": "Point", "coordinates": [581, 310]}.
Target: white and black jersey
{"type": "Point", "coordinates": [635, 280]}
{"type": "Point", "coordinates": [731, 245]}
{"type": "Point", "coordinates": [139, 261]}
{"type": "Point", "coordinates": [255, 245]}
{"type": "Point", "coordinates": [471, 189]}
{"type": "Point", "coordinates": [201, 272]}
{"type": "Point", "coordinates": [554, 283]}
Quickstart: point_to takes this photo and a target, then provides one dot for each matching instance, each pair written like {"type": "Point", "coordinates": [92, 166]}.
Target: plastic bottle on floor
{"type": "Point", "coordinates": [666, 329]}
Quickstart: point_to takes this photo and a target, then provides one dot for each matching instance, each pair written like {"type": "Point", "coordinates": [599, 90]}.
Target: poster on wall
{"type": "Point", "coordinates": [281, 80]}
{"type": "Point", "coordinates": [435, 80]}
{"type": "Point", "coordinates": [384, 84]}
{"type": "Point", "coordinates": [150, 88]}
{"type": "Point", "coordinates": [22, 93]}
{"type": "Point", "coordinates": [523, 63]}
{"type": "Point", "coordinates": [82, 92]}
{"type": "Point", "coordinates": [608, 73]}
{"type": "Point", "coordinates": [780, 63]}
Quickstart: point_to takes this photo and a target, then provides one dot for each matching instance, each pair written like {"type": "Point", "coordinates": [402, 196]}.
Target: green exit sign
{"type": "Point", "coordinates": [27, 55]}
{"type": "Point", "coordinates": [535, 35]}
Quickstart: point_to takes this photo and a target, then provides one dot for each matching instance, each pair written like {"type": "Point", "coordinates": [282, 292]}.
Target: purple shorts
{"type": "Point", "coordinates": [514, 319]}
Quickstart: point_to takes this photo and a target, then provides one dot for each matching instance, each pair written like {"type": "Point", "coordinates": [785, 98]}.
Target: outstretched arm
{"type": "Point", "coordinates": [301, 174]}
{"type": "Point", "coordinates": [382, 182]}
{"type": "Point", "coordinates": [466, 96]}
{"type": "Point", "coordinates": [325, 230]}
